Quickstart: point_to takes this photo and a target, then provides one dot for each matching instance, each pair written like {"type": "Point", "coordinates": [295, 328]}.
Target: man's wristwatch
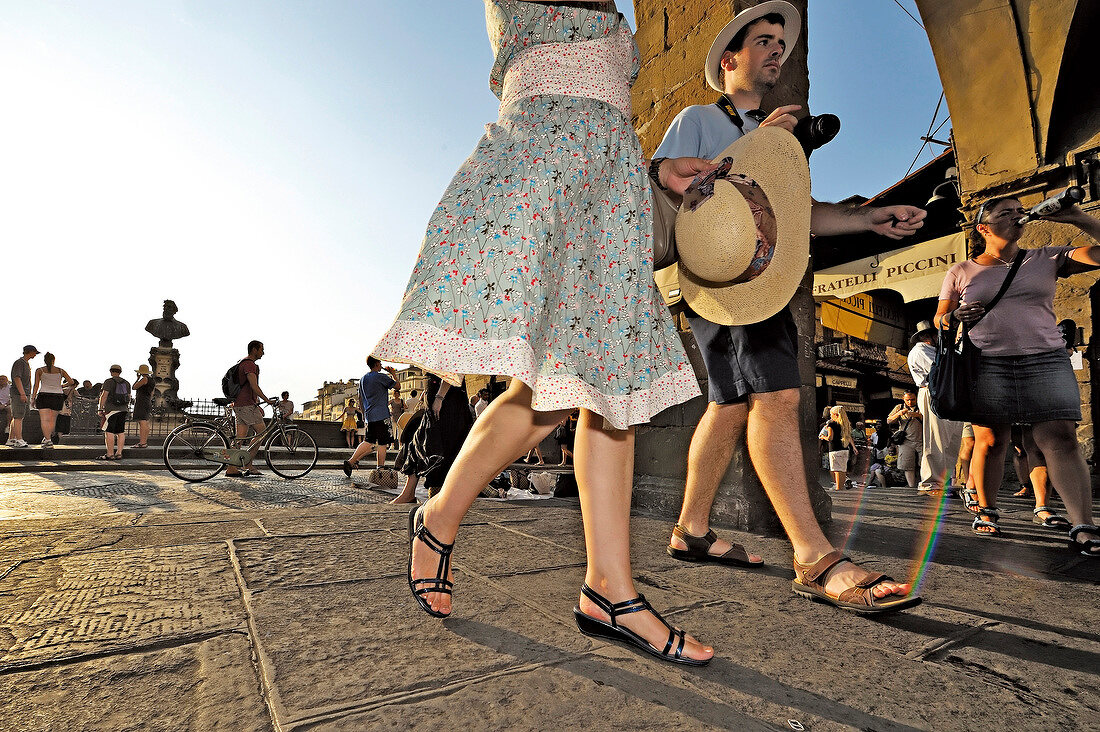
{"type": "Point", "coordinates": [655, 172]}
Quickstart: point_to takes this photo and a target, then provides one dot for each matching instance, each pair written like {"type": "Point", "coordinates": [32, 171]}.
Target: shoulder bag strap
{"type": "Point", "coordinates": [1008, 281]}
{"type": "Point", "coordinates": [1000, 293]}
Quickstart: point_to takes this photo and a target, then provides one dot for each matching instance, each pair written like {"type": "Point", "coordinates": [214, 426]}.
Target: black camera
{"type": "Point", "coordinates": [813, 132]}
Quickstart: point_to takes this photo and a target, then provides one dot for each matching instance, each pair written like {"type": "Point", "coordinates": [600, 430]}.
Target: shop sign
{"type": "Point", "coordinates": [866, 317]}
{"type": "Point", "coordinates": [915, 272]}
{"type": "Point", "coordinates": [897, 392]}
{"type": "Point", "coordinates": [845, 382]}
{"type": "Point", "coordinates": [851, 407]}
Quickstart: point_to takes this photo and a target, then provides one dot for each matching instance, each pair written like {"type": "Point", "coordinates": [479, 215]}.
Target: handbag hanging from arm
{"type": "Point", "coordinates": [956, 364]}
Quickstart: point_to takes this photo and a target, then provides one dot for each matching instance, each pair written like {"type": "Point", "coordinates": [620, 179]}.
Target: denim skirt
{"type": "Point", "coordinates": [1040, 387]}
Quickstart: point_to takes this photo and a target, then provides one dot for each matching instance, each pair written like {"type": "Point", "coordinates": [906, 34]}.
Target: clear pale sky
{"type": "Point", "coordinates": [271, 165]}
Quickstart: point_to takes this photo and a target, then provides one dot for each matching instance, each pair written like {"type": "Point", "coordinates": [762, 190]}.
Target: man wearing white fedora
{"type": "Point", "coordinates": [737, 294]}
{"type": "Point", "coordinates": [942, 437]}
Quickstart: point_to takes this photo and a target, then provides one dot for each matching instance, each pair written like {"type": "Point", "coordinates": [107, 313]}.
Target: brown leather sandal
{"type": "Point", "coordinates": [810, 581]}
{"type": "Point", "coordinates": [699, 550]}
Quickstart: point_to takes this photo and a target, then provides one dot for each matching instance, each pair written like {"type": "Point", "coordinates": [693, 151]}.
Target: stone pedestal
{"type": "Point", "coordinates": [164, 362]}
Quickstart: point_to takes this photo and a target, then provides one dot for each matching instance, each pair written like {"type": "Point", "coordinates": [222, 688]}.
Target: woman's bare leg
{"type": "Point", "coordinates": [605, 472]}
{"type": "Point", "coordinates": [987, 465]}
{"type": "Point", "coordinates": [505, 430]}
{"type": "Point", "coordinates": [144, 427]}
{"type": "Point", "coordinates": [966, 452]}
{"type": "Point", "coordinates": [1067, 469]}
{"type": "Point", "coordinates": [408, 493]}
{"type": "Point", "coordinates": [48, 418]}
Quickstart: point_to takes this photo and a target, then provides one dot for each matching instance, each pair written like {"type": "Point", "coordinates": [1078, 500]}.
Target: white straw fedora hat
{"type": "Point", "coordinates": [743, 231]}
{"type": "Point", "coordinates": [792, 24]}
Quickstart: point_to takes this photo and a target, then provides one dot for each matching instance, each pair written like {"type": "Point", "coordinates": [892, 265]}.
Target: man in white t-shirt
{"type": "Point", "coordinates": [942, 437]}
{"type": "Point", "coordinates": [482, 402]}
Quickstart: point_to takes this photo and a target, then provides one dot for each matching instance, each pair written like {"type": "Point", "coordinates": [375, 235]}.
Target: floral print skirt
{"type": "Point", "coordinates": [538, 264]}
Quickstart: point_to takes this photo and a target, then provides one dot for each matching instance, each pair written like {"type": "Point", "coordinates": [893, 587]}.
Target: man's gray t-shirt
{"type": "Point", "coordinates": [21, 370]}
{"type": "Point", "coordinates": [702, 131]}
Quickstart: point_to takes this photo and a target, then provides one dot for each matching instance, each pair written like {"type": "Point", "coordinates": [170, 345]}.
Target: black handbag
{"type": "Point", "coordinates": [955, 367]}
{"type": "Point", "coordinates": [899, 437]}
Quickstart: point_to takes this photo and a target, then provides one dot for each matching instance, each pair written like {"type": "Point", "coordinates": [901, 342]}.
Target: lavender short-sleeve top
{"type": "Point", "coordinates": [1023, 322]}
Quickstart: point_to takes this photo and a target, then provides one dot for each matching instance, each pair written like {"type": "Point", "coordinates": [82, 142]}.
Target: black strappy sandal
{"type": "Point", "coordinates": [439, 583]}
{"type": "Point", "coordinates": [1088, 547]}
{"type": "Point", "coordinates": [596, 628]}
{"type": "Point", "coordinates": [990, 523]}
{"type": "Point", "coordinates": [1053, 521]}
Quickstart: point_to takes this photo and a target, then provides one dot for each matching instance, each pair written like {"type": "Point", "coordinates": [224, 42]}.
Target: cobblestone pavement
{"type": "Point", "coordinates": [130, 600]}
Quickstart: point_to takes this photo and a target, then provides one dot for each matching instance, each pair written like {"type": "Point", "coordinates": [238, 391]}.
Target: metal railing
{"type": "Point", "coordinates": [85, 418]}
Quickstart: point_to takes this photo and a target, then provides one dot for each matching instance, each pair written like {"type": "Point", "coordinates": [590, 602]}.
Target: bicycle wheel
{"type": "Point", "coordinates": [183, 452]}
{"type": "Point", "coordinates": [290, 452]}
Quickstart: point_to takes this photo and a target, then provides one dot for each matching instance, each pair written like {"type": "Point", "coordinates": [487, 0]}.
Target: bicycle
{"type": "Point", "coordinates": [202, 447]}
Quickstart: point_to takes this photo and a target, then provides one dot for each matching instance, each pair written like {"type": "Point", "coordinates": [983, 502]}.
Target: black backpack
{"type": "Point", "coordinates": [231, 384]}
{"type": "Point", "coordinates": [119, 395]}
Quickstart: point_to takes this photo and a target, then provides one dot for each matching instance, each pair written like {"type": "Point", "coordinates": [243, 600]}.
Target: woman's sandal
{"type": "Point", "coordinates": [1053, 521]}
{"type": "Point", "coordinates": [596, 628]}
{"type": "Point", "coordinates": [969, 497]}
{"type": "Point", "coordinates": [810, 580]}
{"type": "Point", "coordinates": [698, 550]}
{"type": "Point", "coordinates": [103, 457]}
{"type": "Point", "coordinates": [980, 523]}
{"type": "Point", "coordinates": [439, 583]}
{"type": "Point", "coordinates": [1089, 547]}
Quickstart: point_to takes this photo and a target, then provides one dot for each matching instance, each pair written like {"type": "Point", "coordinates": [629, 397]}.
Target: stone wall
{"type": "Point", "coordinates": [674, 39]}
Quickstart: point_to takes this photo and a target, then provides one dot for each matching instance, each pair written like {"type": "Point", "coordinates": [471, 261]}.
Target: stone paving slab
{"type": "Point", "coordinates": [99, 601]}
{"type": "Point", "coordinates": [26, 547]}
{"type": "Point", "coordinates": [208, 686]}
{"type": "Point", "coordinates": [365, 629]}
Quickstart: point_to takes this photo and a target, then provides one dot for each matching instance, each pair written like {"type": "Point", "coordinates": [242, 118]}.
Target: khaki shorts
{"type": "Point", "coordinates": [18, 407]}
{"type": "Point", "coordinates": [251, 415]}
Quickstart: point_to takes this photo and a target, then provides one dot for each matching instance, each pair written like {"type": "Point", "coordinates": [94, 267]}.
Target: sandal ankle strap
{"type": "Point", "coordinates": [615, 609]}
{"type": "Point", "coordinates": [1082, 528]}
{"type": "Point", "coordinates": [429, 539]}
{"type": "Point", "coordinates": [816, 572]}
{"type": "Point", "coordinates": [989, 512]}
{"type": "Point", "coordinates": [696, 543]}
{"type": "Point", "coordinates": [1039, 509]}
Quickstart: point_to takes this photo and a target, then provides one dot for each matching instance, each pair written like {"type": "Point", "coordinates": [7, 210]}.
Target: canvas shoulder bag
{"type": "Point", "coordinates": [956, 363]}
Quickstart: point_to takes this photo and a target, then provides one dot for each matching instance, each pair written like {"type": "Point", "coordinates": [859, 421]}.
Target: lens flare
{"type": "Point", "coordinates": [928, 536]}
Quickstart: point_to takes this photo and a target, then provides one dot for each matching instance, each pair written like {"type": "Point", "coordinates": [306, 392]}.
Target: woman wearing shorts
{"type": "Point", "coordinates": [48, 395]}
{"type": "Point", "coordinates": [839, 433]}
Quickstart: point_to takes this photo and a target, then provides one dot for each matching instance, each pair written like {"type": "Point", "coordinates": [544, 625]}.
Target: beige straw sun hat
{"type": "Point", "coordinates": [735, 267]}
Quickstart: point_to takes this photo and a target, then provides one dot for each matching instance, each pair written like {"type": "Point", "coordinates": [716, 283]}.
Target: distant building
{"type": "Point", "coordinates": [330, 401]}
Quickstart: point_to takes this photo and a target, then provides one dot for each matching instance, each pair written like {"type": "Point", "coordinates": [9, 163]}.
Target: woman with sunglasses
{"type": "Point", "coordinates": [1024, 374]}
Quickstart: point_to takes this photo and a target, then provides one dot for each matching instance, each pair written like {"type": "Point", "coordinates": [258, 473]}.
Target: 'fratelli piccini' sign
{"type": "Point", "coordinates": [915, 272]}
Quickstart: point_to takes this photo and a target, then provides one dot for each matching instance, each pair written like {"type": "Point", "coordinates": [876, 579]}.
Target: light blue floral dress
{"type": "Point", "coordinates": [538, 261]}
